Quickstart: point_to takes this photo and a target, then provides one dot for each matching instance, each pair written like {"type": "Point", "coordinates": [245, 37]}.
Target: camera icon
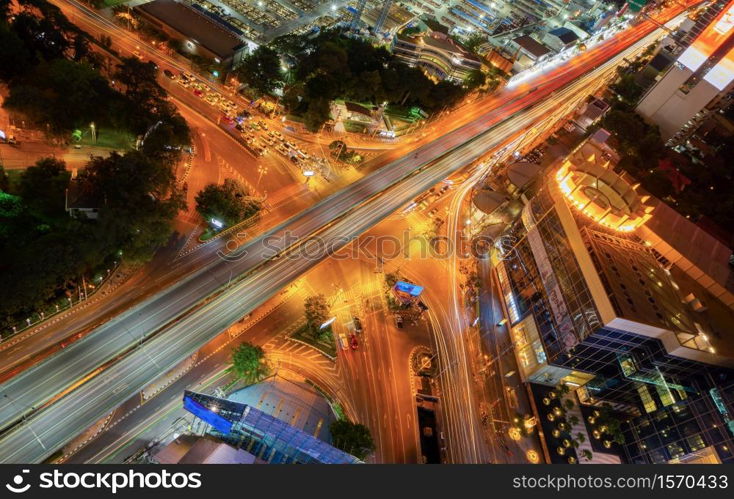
{"type": "Point", "coordinates": [17, 486]}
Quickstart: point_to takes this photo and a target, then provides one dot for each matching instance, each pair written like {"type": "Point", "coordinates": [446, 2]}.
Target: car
{"type": "Point", "coordinates": [342, 339]}
{"type": "Point", "coordinates": [239, 127]}
{"type": "Point", "coordinates": [277, 134]}
{"type": "Point", "coordinates": [263, 125]}
{"type": "Point", "coordinates": [444, 188]}
{"type": "Point", "coordinates": [357, 324]}
{"type": "Point", "coordinates": [295, 160]}
{"type": "Point", "coordinates": [169, 74]}
{"type": "Point", "coordinates": [432, 212]}
{"type": "Point", "coordinates": [198, 92]}
{"type": "Point", "coordinates": [353, 342]}
{"type": "Point", "coordinates": [399, 322]}
{"type": "Point", "coordinates": [137, 54]}
{"type": "Point", "coordinates": [291, 145]}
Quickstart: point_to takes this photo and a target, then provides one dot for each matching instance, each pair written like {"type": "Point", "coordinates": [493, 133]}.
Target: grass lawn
{"type": "Point", "coordinates": [110, 138]}
{"type": "Point", "coordinates": [325, 342]}
{"type": "Point", "coordinates": [113, 3]}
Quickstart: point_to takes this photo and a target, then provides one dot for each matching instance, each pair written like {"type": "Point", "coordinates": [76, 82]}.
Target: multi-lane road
{"type": "Point", "coordinates": [336, 220]}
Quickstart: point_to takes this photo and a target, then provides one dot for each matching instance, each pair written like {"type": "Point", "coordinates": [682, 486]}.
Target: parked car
{"type": "Point", "coordinates": [342, 340]}
{"type": "Point", "coordinates": [353, 342]}
{"type": "Point", "coordinates": [357, 324]}
{"type": "Point", "coordinates": [169, 74]}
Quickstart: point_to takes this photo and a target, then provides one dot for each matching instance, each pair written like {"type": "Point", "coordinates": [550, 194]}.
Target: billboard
{"type": "Point", "coordinates": [207, 415]}
{"type": "Point", "coordinates": [408, 288]}
{"type": "Point", "coordinates": [721, 75]}
{"type": "Point", "coordinates": [709, 40]}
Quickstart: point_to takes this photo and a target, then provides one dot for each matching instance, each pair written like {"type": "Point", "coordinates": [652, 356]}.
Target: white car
{"type": "Point", "coordinates": [342, 339]}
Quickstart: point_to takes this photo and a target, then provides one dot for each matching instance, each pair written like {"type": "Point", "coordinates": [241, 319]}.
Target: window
{"type": "Point", "coordinates": [647, 401]}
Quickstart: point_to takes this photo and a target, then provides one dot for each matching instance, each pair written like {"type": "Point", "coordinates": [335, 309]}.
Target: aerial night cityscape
{"type": "Point", "coordinates": [489, 232]}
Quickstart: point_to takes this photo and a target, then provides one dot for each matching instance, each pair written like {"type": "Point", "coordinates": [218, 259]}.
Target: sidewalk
{"type": "Point", "coordinates": [497, 345]}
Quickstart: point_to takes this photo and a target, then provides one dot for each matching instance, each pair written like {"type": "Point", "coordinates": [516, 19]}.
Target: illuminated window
{"type": "Point", "coordinates": [666, 396]}
{"type": "Point", "coordinates": [647, 401]}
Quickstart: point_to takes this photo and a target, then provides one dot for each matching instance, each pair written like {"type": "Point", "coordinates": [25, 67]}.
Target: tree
{"type": "Point", "coordinates": [317, 114]}
{"type": "Point", "coordinates": [146, 96]}
{"type": "Point", "coordinates": [353, 438]}
{"type": "Point", "coordinates": [15, 59]}
{"type": "Point", "coordinates": [63, 94]}
{"type": "Point", "coordinates": [167, 139]}
{"type": "Point", "coordinates": [261, 70]}
{"type": "Point", "coordinates": [475, 79]}
{"type": "Point", "coordinates": [627, 89]}
{"type": "Point", "coordinates": [248, 363]}
{"type": "Point", "coordinates": [474, 41]}
{"type": "Point", "coordinates": [43, 186]}
{"type": "Point", "coordinates": [139, 200]}
{"type": "Point", "coordinates": [229, 203]}
{"type": "Point", "coordinates": [4, 180]}
{"type": "Point", "coordinates": [316, 312]}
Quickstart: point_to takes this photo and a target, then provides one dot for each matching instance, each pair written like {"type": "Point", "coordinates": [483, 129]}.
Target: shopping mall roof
{"type": "Point", "coordinates": [205, 28]}
{"type": "Point", "coordinates": [532, 46]}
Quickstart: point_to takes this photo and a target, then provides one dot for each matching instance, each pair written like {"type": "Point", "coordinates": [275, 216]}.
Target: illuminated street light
{"type": "Point", "coordinates": [327, 323]}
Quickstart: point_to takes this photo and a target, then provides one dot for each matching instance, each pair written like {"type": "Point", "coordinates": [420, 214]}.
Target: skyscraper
{"type": "Point", "coordinates": [590, 306]}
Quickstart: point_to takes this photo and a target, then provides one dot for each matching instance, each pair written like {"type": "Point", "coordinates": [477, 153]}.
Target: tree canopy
{"type": "Point", "coordinates": [335, 66]}
{"type": "Point", "coordinates": [316, 311]}
{"type": "Point", "coordinates": [229, 203]}
{"type": "Point", "coordinates": [248, 363]}
{"type": "Point", "coordinates": [261, 70]}
{"type": "Point", "coordinates": [353, 438]}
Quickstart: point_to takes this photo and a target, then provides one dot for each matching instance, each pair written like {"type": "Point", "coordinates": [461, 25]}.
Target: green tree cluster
{"type": "Point", "coordinates": [44, 252]}
{"type": "Point", "coordinates": [54, 82]}
{"type": "Point", "coordinates": [248, 363]}
{"type": "Point", "coordinates": [334, 66]}
{"type": "Point", "coordinates": [229, 203]}
{"type": "Point", "coordinates": [352, 438]}
{"type": "Point", "coordinates": [261, 70]}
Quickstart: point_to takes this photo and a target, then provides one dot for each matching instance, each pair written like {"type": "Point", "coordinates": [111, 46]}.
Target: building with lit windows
{"type": "Point", "coordinates": [436, 54]}
{"type": "Point", "coordinates": [590, 306]}
{"type": "Point", "coordinates": [699, 82]}
{"type": "Point", "coordinates": [267, 437]}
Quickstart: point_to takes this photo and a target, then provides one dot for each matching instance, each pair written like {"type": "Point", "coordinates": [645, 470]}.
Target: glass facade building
{"type": "Point", "coordinates": [266, 437]}
{"type": "Point", "coordinates": [593, 308]}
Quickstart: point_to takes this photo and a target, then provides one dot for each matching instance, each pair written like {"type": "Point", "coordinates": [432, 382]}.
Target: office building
{"type": "Point", "coordinates": [436, 54]}
{"type": "Point", "coordinates": [591, 306]}
{"type": "Point", "coordinates": [262, 435]}
{"type": "Point", "coordinates": [698, 83]}
{"type": "Point", "coordinates": [200, 31]}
